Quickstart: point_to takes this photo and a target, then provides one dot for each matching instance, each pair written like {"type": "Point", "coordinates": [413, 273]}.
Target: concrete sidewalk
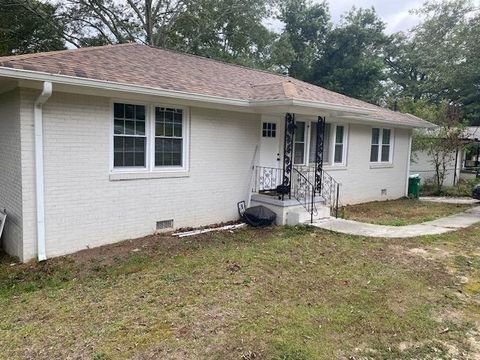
{"type": "Point", "coordinates": [439, 226]}
{"type": "Point", "coordinates": [450, 200]}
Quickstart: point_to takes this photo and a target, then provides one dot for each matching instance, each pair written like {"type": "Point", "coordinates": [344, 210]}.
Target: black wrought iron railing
{"type": "Point", "coordinates": [303, 187]}
{"type": "Point", "coordinates": [267, 179]}
{"type": "Point", "coordinates": [304, 192]}
{"type": "Point", "coordinates": [329, 187]}
{"type": "Point", "coordinates": [331, 193]}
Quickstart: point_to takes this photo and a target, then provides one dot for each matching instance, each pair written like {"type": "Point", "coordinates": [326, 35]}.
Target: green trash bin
{"type": "Point", "coordinates": [414, 186]}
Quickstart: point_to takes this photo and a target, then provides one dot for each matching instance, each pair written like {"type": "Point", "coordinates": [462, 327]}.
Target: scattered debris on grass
{"type": "Point", "coordinates": [204, 231]}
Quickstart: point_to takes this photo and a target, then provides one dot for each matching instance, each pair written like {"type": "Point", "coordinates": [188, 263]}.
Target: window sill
{"type": "Point", "coordinates": [118, 176]}
{"type": "Point", "coordinates": [334, 167]}
{"type": "Point", "coordinates": [381, 166]}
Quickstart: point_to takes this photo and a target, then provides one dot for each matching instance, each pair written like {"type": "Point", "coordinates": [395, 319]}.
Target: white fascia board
{"type": "Point", "coordinates": [114, 86]}
{"type": "Point", "coordinates": [290, 105]}
{"type": "Point", "coordinates": [318, 105]}
{"type": "Point", "coordinates": [377, 120]}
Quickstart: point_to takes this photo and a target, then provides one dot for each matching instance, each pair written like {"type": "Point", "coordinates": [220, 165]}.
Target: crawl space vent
{"type": "Point", "coordinates": [384, 192]}
{"type": "Point", "coordinates": [165, 224]}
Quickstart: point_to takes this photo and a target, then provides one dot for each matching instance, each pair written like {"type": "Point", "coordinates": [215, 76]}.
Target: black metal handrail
{"type": "Point", "coordinates": [329, 188]}
{"type": "Point", "coordinates": [302, 186]}
{"type": "Point", "coordinates": [304, 192]}
{"type": "Point", "coordinates": [331, 193]}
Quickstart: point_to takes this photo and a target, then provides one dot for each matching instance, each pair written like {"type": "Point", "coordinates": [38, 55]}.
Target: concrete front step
{"type": "Point", "coordinates": [303, 217]}
{"type": "Point", "coordinates": [290, 211]}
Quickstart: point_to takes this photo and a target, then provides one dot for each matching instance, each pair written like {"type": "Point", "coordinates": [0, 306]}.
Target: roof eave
{"type": "Point", "coordinates": [292, 104]}
{"type": "Point", "coordinates": [21, 74]}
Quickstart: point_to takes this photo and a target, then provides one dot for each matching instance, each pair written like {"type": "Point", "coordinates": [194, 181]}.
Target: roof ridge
{"type": "Point", "coordinates": [56, 52]}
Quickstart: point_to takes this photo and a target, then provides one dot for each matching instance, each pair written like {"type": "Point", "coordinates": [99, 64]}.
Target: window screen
{"type": "Point", "coordinates": [299, 143]}
{"type": "Point", "coordinates": [313, 143]}
{"type": "Point", "coordinates": [168, 137]}
{"type": "Point", "coordinates": [129, 138]}
{"type": "Point", "coordinates": [339, 136]}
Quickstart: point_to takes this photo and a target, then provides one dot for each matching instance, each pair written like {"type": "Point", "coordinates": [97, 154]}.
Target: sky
{"type": "Point", "coordinates": [395, 13]}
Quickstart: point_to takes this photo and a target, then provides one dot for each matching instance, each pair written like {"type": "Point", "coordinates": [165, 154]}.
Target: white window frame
{"type": "Point", "coordinates": [305, 141]}
{"type": "Point", "coordinates": [112, 137]}
{"type": "Point", "coordinates": [380, 146]}
{"type": "Point", "coordinates": [333, 142]}
{"type": "Point", "coordinates": [185, 139]}
{"type": "Point", "coordinates": [329, 162]}
{"type": "Point", "coordinates": [150, 167]}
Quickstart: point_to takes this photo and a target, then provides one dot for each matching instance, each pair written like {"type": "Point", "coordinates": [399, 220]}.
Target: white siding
{"type": "Point", "coordinates": [361, 181]}
{"type": "Point", "coordinates": [10, 172]}
{"type": "Point", "coordinates": [84, 208]}
{"type": "Point", "coordinates": [422, 164]}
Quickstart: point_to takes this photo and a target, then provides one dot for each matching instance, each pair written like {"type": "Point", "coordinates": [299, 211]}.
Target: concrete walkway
{"type": "Point", "coordinates": [439, 226]}
{"type": "Point", "coordinates": [450, 200]}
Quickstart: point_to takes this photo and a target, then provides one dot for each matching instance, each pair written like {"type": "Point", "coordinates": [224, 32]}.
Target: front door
{"type": "Point", "coordinates": [270, 144]}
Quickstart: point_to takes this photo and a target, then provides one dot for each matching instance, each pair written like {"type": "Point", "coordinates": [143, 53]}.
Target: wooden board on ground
{"type": "Point", "coordinates": [3, 218]}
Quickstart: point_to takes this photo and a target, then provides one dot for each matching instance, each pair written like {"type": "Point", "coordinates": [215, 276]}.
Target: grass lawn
{"type": "Point", "coordinates": [276, 293]}
{"type": "Point", "coordinates": [400, 212]}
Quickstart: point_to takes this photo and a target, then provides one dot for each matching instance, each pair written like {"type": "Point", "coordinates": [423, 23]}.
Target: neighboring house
{"type": "Point", "coordinates": [110, 143]}
{"type": "Point", "coordinates": [462, 164]}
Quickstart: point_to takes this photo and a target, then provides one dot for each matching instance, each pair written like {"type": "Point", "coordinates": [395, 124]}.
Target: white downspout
{"type": "Point", "coordinates": [39, 182]}
{"type": "Point", "coordinates": [409, 157]}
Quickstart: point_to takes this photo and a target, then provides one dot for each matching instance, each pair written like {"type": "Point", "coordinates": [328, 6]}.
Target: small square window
{"type": "Point", "coordinates": [269, 129]}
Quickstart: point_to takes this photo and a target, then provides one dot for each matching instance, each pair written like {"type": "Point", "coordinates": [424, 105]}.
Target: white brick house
{"type": "Point", "coordinates": [110, 143]}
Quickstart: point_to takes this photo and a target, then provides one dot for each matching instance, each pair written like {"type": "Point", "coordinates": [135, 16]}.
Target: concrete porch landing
{"type": "Point", "coordinates": [435, 227]}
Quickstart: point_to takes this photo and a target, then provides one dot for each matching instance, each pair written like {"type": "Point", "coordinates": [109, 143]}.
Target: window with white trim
{"type": "Point", "coordinates": [129, 136]}
{"type": "Point", "coordinates": [381, 147]}
{"type": "Point", "coordinates": [149, 138]}
{"type": "Point", "coordinates": [339, 144]}
{"type": "Point", "coordinates": [313, 143]}
{"type": "Point", "coordinates": [299, 143]}
{"type": "Point", "coordinates": [168, 137]}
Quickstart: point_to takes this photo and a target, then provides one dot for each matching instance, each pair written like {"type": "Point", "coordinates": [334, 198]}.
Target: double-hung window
{"type": "Point", "coordinates": [168, 137]}
{"type": "Point", "coordinates": [151, 138]}
{"type": "Point", "coordinates": [299, 144]}
{"type": "Point", "coordinates": [129, 138]}
{"type": "Point", "coordinates": [313, 143]}
{"type": "Point", "coordinates": [334, 144]}
{"type": "Point", "coordinates": [338, 157]}
{"type": "Point", "coordinates": [381, 148]}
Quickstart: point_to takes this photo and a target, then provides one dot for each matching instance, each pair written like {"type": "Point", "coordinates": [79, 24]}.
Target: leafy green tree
{"type": "Point", "coordinates": [440, 145]}
{"type": "Point", "coordinates": [406, 75]}
{"type": "Point", "coordinates": [229, 30]}
{"type": "Point", "coordinates": [303, 38]}
{"type": "Point", "coordinates": [28, 26]}
{"type": "Point", "coordinates": [352, 61]}
{"type": "Point", "coordinates": [440, 60]}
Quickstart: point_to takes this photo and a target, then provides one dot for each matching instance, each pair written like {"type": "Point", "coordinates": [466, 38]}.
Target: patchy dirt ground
{"type": "Point", "coordinates": [401, 212]}
{"type": "Point", "coordinates": [275, 293]}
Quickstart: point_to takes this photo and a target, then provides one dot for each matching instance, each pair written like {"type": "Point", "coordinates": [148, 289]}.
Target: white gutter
{"type": "Point", "coordinates": [116, 86]}
{"type": "Point", "coordinates": [254, 105]}
{"type": "Point", "coordinates": [311, 104]}
{"type": "Point", "coordinates": [356, 111]}
{"type": "Point", "coordinates": [39, 180]}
